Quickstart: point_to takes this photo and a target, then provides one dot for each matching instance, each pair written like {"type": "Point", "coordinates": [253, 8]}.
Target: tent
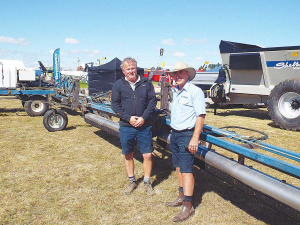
{"type": "Point", "coordinates": [101, 78]}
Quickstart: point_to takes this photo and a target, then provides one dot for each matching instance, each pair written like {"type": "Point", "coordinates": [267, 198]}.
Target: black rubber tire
{"type": "Point", "coordinates": [49, 120]}
{"type": "Point", "coordinates": [283, 104]}
{"type": "Point", "coordinates": [36, 106]}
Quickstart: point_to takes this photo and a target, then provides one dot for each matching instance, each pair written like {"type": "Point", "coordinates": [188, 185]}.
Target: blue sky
{"type": "Point", "coordinates": [188, 31]}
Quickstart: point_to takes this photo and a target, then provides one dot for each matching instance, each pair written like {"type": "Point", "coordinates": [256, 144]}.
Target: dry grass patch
{"type": "Point", "coordinates": [77, 176]}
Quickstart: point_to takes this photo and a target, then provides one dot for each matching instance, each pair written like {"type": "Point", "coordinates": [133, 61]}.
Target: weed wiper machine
{"type": "Point", "coordinates": [272, 191]}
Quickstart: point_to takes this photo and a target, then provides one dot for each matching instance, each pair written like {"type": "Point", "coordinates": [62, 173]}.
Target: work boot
{"type": "Point", "coordinates": [177, 202]}
{"type": "Point", "coordinates": [186, 211]}
{"type": "Point", "coordinates": [148, 188]}
{"type": "Point", "coordinates": [131, 186]}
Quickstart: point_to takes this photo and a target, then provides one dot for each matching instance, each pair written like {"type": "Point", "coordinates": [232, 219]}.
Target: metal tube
{"type": "Point", "coordinates": [259, 181]}
{"type": "Point", "coordinates": [109, 126]}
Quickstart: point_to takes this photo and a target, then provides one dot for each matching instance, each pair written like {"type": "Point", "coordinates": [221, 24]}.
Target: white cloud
{"type": "Point", "coordinates": [71, 41]}
{"type": "Point", "coordinates": [199, 58]}
{"type": "Point", "coordinates": [9, 40]}
{"type": "Point", "coordinates": [168, 41]}
{"type": "Point", "coordinates": [187, 41]}
{"type": "Point", "coordinates": [95, 52]}
{"type": "Point", "coordinates": [73, 51]}
{"type": "Point", "coordinates": [179, 54]}
{"type": "Point", "coordinates": [3, 50]}
{"type": "Point", "coordinates": [90, 53]}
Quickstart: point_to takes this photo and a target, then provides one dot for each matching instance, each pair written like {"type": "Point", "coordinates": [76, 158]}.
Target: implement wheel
{"type": "Point", "coordinates": [284, 104]}
{"type": "Point", "coordinates": [55, 120]}
{"type": "Point", "coordinates": [36, 106]}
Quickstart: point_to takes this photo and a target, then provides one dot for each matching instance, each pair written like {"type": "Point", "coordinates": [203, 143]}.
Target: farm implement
{"type": "Point", "coordinates": [273, 191]}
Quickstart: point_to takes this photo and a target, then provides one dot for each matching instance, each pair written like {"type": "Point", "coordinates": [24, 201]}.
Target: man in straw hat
{"type": "Point", "coordinates": [187, 118]}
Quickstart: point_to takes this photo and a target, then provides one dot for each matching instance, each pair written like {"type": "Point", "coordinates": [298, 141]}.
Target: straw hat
{"type": "Point", "coordinates": [183, 66]}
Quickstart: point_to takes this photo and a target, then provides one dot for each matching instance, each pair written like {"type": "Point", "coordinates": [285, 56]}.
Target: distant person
{"type": "Point", "coordinates": [187, 119]}
{"type": "Point", "coordinates": [134, 100]}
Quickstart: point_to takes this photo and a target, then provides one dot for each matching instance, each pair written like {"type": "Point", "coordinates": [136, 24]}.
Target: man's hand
{"type": "Point", "coordinates": [193, 145]}
{"type": "Point", "coordinates": [139, 122]}
{"type": "Point", "coordinates": [194, 142]}
{"type": "Point", "coordinates": [132, 120]}
{"type": "Point", "coordinates": [136, 121]}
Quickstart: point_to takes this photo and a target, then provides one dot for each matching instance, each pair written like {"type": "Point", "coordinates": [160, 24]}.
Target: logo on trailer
{"type": "Point", "coordinates": [284, 64]}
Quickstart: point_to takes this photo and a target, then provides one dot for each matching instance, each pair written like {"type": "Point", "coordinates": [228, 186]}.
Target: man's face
{"type": "Point", "coordinates": [181, 77]}
{"type": "Point", "coordinates": [130, 71]}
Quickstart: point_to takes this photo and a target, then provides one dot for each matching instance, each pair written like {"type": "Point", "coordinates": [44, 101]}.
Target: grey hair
{"type": "Point", "coordinates": [128, 59]}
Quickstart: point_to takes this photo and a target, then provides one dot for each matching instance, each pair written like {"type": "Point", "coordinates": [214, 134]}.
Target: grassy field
{"type": "Point", "coordinates": [77, 176]}
{"type": "Point", "coordinates": [83, 85]}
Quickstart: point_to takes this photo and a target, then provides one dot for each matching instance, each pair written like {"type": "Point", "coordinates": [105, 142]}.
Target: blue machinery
{"type": "Point", "coordinates": [286, 196]}
{"type": "Point", "coordinates": [258, 182]}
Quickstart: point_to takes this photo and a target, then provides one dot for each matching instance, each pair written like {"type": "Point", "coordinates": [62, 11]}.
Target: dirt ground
{"type": "Point", "coordinates": [77, 176]}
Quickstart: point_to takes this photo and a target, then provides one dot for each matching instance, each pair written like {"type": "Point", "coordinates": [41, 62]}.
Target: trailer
{"type": "Point", "coordinates": [205, 80]}
{"type": "Point", "coordinates": [253, 74]}
{"type": "Point", "coordinates": [27, 84]}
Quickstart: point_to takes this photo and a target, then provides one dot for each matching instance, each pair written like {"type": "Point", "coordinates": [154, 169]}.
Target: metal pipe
{"type": "Point", "coordinates": [257, 180]}
{"type": "Point", "coordinates": [102, 123]}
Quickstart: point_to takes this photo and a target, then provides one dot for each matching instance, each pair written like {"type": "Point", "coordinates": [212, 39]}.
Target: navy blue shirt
{"type": "Point", "coordinates": [127, 102]}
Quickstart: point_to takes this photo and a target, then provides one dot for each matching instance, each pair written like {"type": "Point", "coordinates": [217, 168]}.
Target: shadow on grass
{"type": "Point", "coordinates": [254, 113]}
{"type": "Point", "coordinates": [14, 110]}
{"type": "Point", "coordinates": [70, 128]}
{"type": "Point", "coordinates": [205, 183]}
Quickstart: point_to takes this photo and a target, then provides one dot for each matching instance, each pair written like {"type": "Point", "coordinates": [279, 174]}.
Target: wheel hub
{"type": "Point", "coordinates": [55, 121]}
{"type": "Point", "coordinates": [295, 104]}
{"type": "Point", "coordinates": [289, 105]}
{"type": "Point", "coordinates": [37, 106]}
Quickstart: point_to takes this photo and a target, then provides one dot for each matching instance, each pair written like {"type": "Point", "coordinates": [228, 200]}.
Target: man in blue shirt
{"type": "Point", "coordinates": [187, 119]}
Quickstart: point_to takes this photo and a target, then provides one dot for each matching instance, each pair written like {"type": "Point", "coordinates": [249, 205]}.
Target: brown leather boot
{"type": "Point", "coordinates": [177, 202]}
{"type": "Point", "coordinates": [186, 211]}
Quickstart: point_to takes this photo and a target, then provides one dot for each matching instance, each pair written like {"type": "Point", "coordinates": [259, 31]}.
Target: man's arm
{"type": "Point", "coordinates": [116, 104]}
{"type": "Point", "coordinates": [151, 102]}
{"type": "Point", "coordinates": [150, 107]}
{"type": "Point", "coordinates": [194, 142]}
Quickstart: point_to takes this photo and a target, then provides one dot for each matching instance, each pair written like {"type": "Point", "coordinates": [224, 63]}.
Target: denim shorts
{"type": "Point", "coordinates": [131, 135]}
{"type": "Point", "coordinates": [181, 156]}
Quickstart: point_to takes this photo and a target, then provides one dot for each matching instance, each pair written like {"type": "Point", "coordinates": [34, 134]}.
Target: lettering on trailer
{"type": "Point", "coordinates": [284, 64]}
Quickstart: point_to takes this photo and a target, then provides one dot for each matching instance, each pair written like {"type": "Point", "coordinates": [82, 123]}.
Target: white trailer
{"type": "Point", "coordinates": [252, 74]}
{"type": "Point", "coordinates": [205, 80]}
{"type": "Point", "coordinates": [16, 80]}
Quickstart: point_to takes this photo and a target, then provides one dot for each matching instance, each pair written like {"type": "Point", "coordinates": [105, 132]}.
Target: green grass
{"type": "Point", "coordinates": [83, 85]}
{"type": "Point", "coordinates": [77, 176]}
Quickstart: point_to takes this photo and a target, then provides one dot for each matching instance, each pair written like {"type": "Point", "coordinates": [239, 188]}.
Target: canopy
{"type": "Point", "coordinates": [101, 78]}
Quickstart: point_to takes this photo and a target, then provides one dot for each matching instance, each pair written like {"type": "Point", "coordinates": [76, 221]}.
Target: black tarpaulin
{"type": "Point", "coordinates": [101, 78]}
